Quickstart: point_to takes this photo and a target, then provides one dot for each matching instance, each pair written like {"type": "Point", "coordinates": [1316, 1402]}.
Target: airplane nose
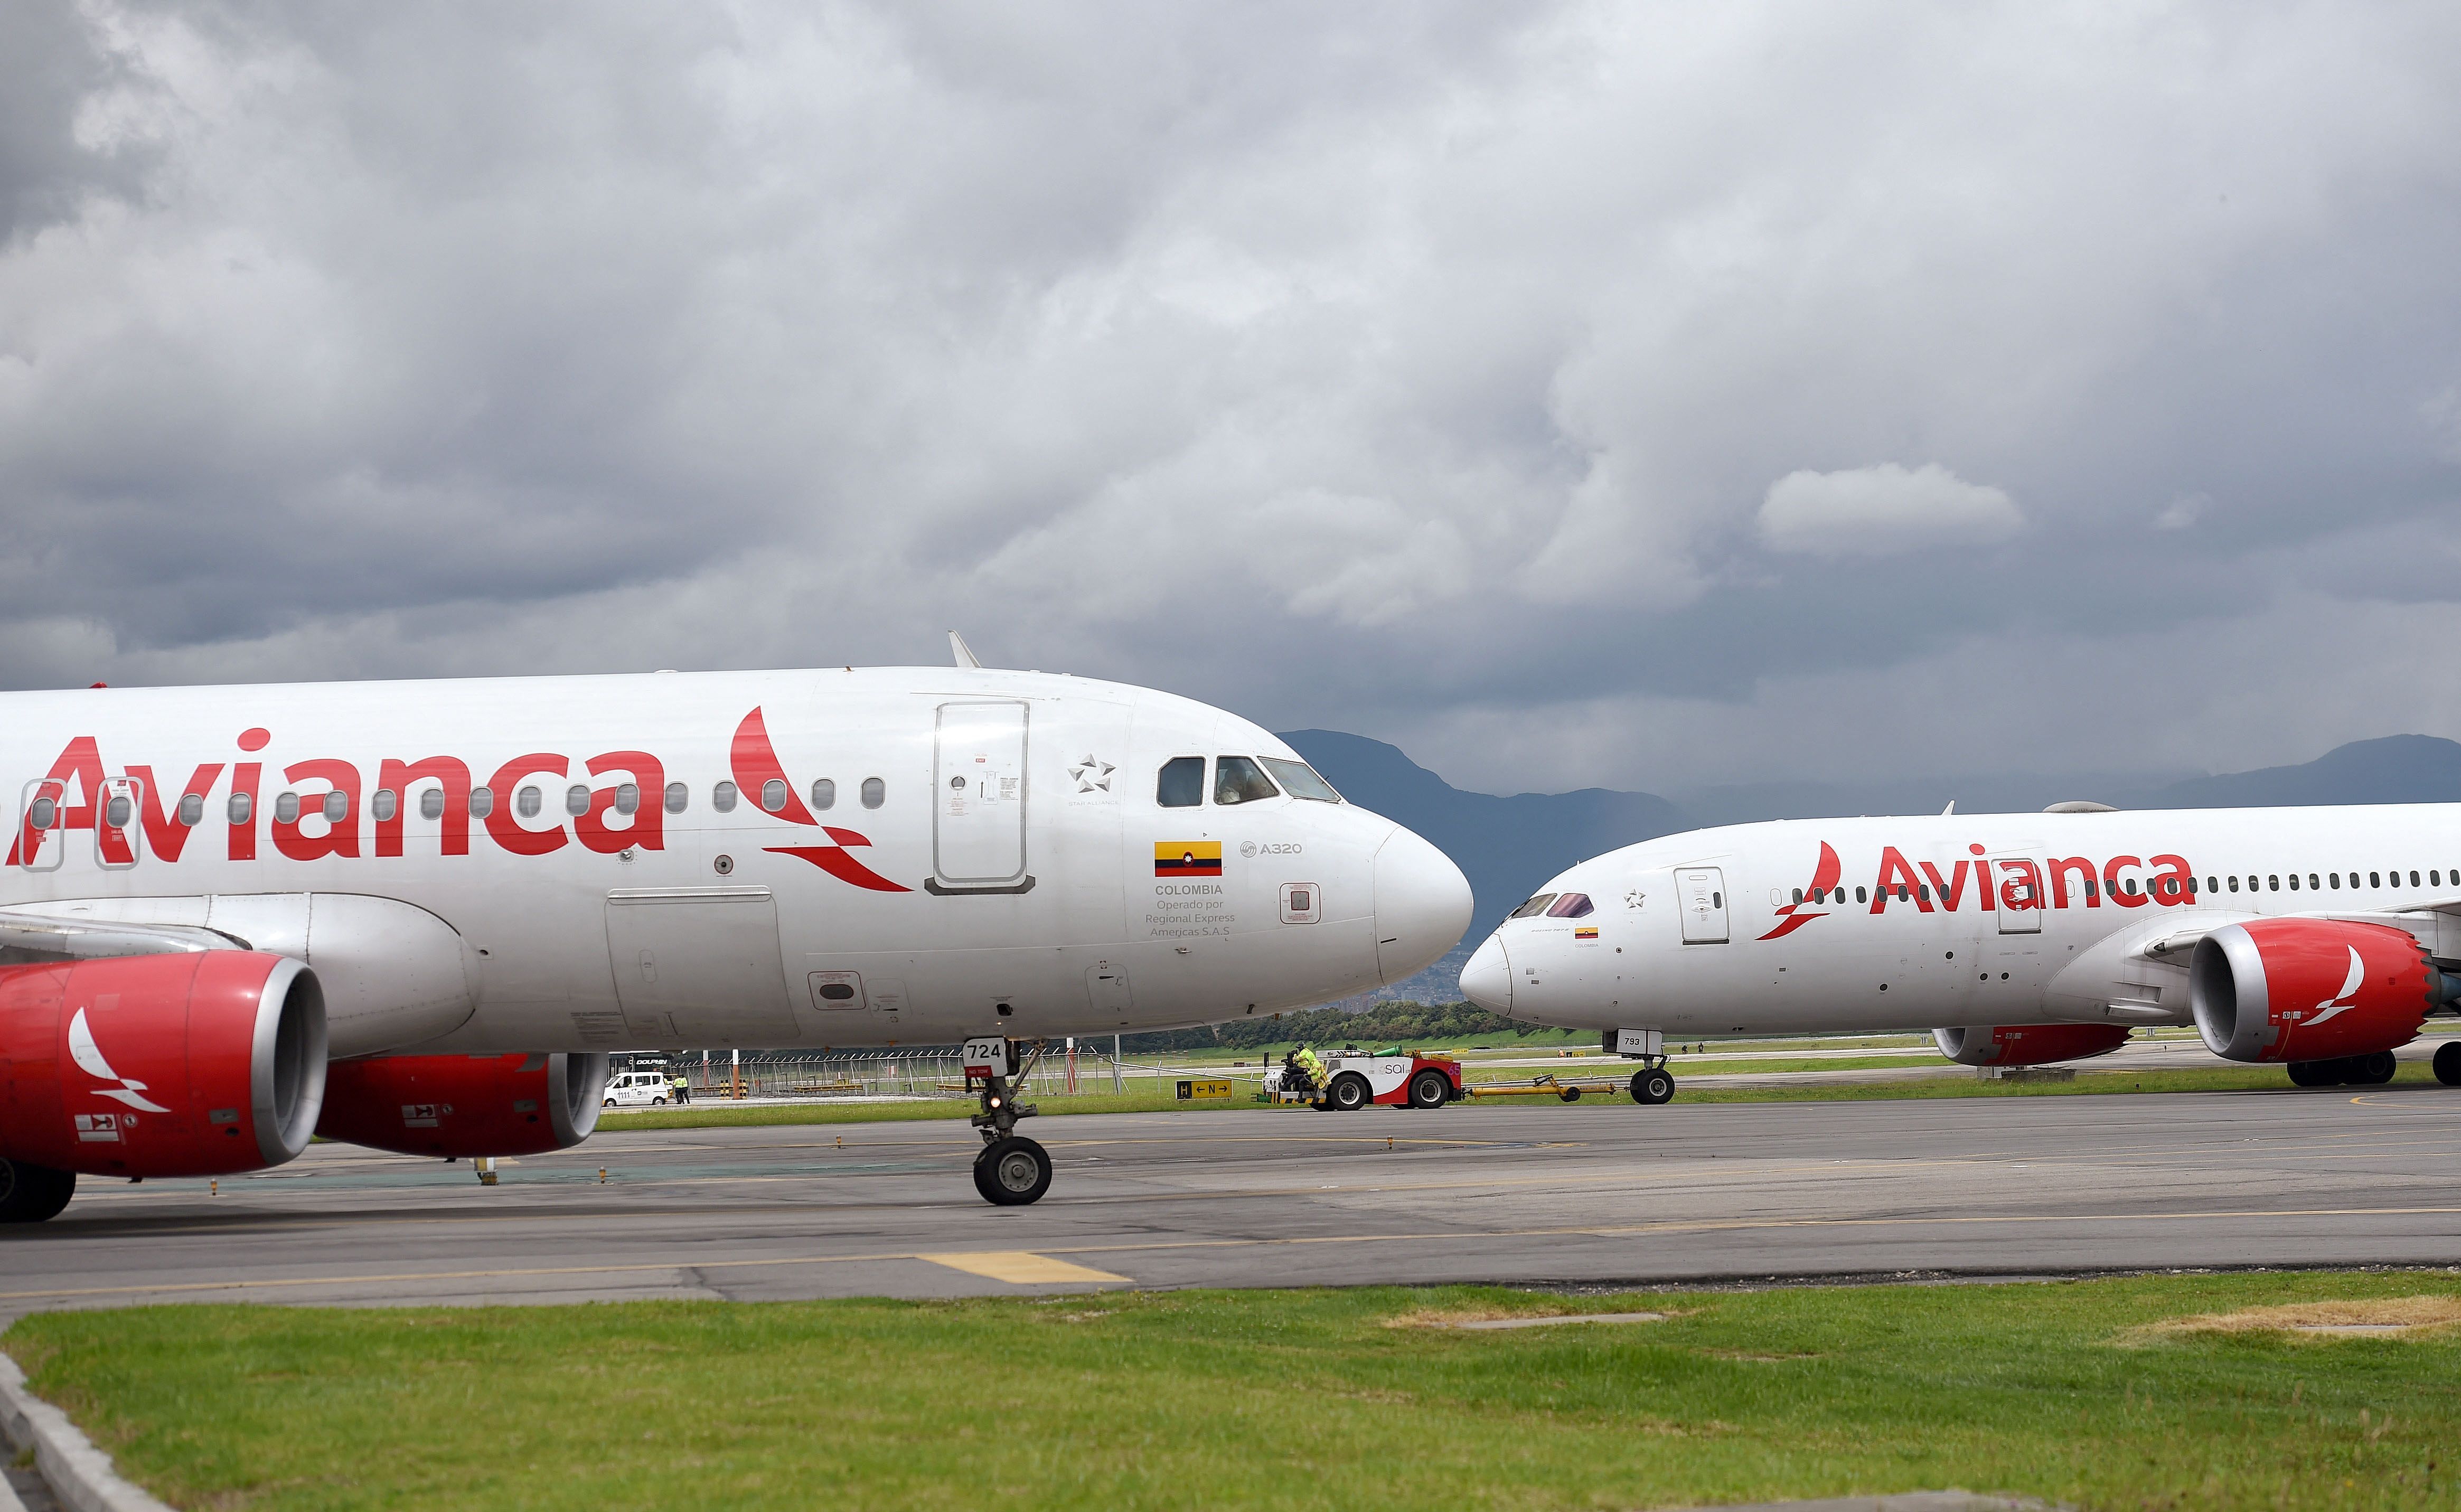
{"type": "Point", "coordinates": [1487, 980]}
{"type": "Point", "coordinates": [1423, 905]}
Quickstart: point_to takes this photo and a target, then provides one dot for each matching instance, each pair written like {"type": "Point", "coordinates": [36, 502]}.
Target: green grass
{"type": "Point", "coordinates": [1270, 1399]}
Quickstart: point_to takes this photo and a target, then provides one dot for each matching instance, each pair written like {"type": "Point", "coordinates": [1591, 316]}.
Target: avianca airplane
{"type": "Point", "coordinates": [2316, 938]}
{"type": "Point", "coordinates": [417, 916]}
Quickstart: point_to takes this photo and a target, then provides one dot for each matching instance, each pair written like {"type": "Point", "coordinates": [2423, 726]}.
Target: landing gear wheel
{"type": "Point", "coordinates": [30, 1194]}
{"type": "Point", "coordinates": [2315, 1073]}
{"type": "Point", "coordinates": [1652, 1087]}
{"type": "Point", "coordinates": [1570, 1094]}
{"type": "Point", "coordinates": [1429, 1089]}
{"type": "Point", "coordinates": [1349, 1092]}
{"type": "Point", "coordinates": [2372, 1071]}
{"type": "Point", "coordinates": [2448, 1065]}
{"type": "Point", "coordinates": [1011, 1172]}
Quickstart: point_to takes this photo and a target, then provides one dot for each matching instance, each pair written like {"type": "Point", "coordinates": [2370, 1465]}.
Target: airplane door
{"type": "Point", "coordinates": [2017, 893]}
{"type": "Point", "coordinates": [1701, 891]}
{"type": "Point", "coordinates": [978, 793]}
{"type": "Point", "coordinates": [699, 965]}
{"type": "Point", "coordinates": [42, 827]}
{"type": "Point", "coordinates": [118, 836]}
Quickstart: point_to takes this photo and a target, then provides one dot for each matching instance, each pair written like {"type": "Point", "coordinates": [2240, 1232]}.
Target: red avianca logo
{"type": "Point", "coordinates": [2013, 883]}
{"type": "Point", "coordinates": [333, 819]}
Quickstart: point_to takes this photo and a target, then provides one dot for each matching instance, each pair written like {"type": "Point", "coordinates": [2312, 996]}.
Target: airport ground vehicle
{"type": "Point", "coordinates": [637, 1089]}
{"type": "Point", "coordinates": [418, 916]}
{"type": "Point", "coordinates": [2018, 940]}
{"type": "Point", "coordinates": [1347, 1080]}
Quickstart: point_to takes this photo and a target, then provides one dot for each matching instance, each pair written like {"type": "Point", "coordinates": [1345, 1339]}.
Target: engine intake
{"type": "Point", "coordinates": [466, 1106]}
{"type": "Point", "coordinates": [2298, 990]}
{"type": "Point", "coordinates": [187, 1063]}
{"type": "Point", "coordinates": [2027, 1044]}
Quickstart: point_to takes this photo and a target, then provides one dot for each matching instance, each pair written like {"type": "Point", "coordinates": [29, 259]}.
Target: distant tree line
{"type": "Point", "coordinates": [1382, 1023]}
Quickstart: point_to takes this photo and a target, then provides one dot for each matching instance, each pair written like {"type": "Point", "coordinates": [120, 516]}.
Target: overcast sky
{"type": "Point", "coordinates": [1569, 394]}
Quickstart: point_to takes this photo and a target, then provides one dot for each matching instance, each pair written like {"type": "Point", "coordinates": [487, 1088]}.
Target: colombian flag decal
{"type": "Point", "coordinates": [1187, 858]}
{"type": "Point", "coordinates": [1585, 931]}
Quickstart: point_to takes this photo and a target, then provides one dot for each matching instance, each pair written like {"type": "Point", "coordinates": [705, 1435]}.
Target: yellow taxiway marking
{"type": "Point", "coordinates": [1141, 1247]}
{"type": "Point", "coordinates": [1021, 1266]}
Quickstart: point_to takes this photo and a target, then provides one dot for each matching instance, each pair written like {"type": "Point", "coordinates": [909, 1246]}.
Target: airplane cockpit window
{"type": "Point", "coordinates": [1573, 905]}
{"type": "Point", "coordinates": [722, 797]}
{"type": "Point", "coordinates": [1180, 783]}
{"type": "Point", "coordinates": [1237, 779]}
{"type": "Point", "coordinates": [1301, 780]}
{"type": "Point", "coordinates": [1535, 906]}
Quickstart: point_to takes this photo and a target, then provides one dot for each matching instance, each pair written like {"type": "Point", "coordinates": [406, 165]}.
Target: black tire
{"type": "Point", "coordinates": [2318, 1072]}
{"type": "Point", "coordinates": [30, 1194]}
{"type": "Point", "coordinates": [1012, 1172]}
{"type": "Point", "coordinates": [1570, 1094]}
{"type": "Point", "coordinates": [2447, 1064]}
{"type": "Point", "coordinates": [1349, 1092]}
{"type": "Point", "coordinates": [1430, 1089]}
{"type": "Point", "coordinates": [2372, 1071]}
{"type": "Point", "coordinates": [1650, 1088]}
{"type": "Point", "coordinates": [658, 1102]}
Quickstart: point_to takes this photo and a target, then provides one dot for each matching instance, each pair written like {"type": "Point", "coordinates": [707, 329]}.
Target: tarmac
{"type": "Point", "coordinates": [1592, 1195]}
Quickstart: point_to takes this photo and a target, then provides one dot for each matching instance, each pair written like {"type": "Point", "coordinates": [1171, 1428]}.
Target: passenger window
{"type": "Point", "coordinates": [192, 809]}
{"type": "Point", "coordinates": [1301, 780]}
{"type": "Point", "coordinates": [2294, 882]}
{"type": "Point", "coordinates": [2374, 881]}
{"type": "Point", "coordinates": [2413, 878]}
{"type": "Point", "coordinates": [115, 813]}
{"type": "Point", "coordinates": [2272, 884]}
{"type": "Point", "coordinates": [431, 803]}
{"type": "Point", "coordinates": [1534, 906]}
{"type": "Point", "coordinates": [528, 802]}
{"type": "Point", "coordinates": [1798, 895]}
{"type": "Point", "coordinates": [773, 795]}
{"type": "Point", "coordinates": [1923, 892]}
{"type": "Point", "coordinates": [576, 799]}
{"type": "Point", "coordinates": [1571, 906]}
{"type": "Point", "coordinates": [238, 809]}
{"type": "Point", "coordinates": [384, 805]}
{"type": "Point", "coordinates": [1181, 783]}
{"type": "Point", "coordinates": [678, 797]}
{"type": "Point", "coordinates": [337, 807]}
{"type": "Point", "coordinates": [2311, 882]}
{"type": "Point", "coordinates": [2334, 878]}
{"type": "Point", "coordinates": [46, 810]}
{"type": "Point", "coordinates": [875, 792]}
{"type": "Point", "coordinates": [825, 793]}
{"type": "Point", "coordinates": [1858, 896]}
{"type": "Point", "coordinates": [286, 808]}
{"type": "Point", "coordinates": [2092, 887]}
{"type": "Point", "coordinates": [722, 797]}
{"type": "Point", "coordinates": [483, 801]}
{"type": "Point", "coordinates": [1236, 779]}
{"type": "Point", "coordinates": [2234, 884]}
{"type": "Point", "coordinates": [628, 797]}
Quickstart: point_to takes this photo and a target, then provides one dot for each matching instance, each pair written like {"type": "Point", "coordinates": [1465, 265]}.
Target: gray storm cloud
{"type": "Point", "coordinates": [1507, 380]}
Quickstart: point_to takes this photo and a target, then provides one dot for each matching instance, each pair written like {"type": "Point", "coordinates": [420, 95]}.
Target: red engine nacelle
{"type": "Point", "coordinates": [2028, 1044]}
{"type": "Point", "coordinates": [189, 1063]}
{"type": "Point", "coordinates": [2286, 989]}
{"type": "Point", "coordinates": [464, 1105]}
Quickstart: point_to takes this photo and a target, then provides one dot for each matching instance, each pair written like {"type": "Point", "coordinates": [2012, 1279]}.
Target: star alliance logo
{"type": "Point", "coordinates": [1091, 775]}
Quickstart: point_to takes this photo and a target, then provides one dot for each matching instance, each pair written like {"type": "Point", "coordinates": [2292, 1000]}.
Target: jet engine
{"type": "Point", "coordinates": [464, 1105]}
{"type": "Point", "coordinates": [2027, 1044]}
{"type": "Point", "coordinates": [199, 1062]}
{"type": "Point", "coordinates": [2309, 990]}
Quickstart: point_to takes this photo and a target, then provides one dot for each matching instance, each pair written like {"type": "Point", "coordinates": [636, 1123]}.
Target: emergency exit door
{"type": "Point", "coordinates": [1701, 893]}
{"type": "Point", "coordinates": [978, 796]}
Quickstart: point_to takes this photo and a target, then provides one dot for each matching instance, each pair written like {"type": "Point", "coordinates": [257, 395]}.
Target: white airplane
{"type": "Point", "coordinates": [417, 916]}
{"type": "Point", "coordinates": [2316, 938]}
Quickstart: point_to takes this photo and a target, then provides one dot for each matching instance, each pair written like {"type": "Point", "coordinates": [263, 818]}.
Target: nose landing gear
{"type": "Point", "coordinates": [1011, 1171]}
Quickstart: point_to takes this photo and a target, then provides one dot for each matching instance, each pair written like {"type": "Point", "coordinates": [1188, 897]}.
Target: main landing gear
{"type": "Point", "coordinates": [2362, 1071]}
{"type": "Point", "coordinates": [2447, 1064]}
{"type": "Point", "coordinates": [30, 1194]}
{"type": "Point", "coordinates": [1012, 1170]}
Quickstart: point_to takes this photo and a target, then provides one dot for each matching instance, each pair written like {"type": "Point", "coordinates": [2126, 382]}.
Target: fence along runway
{"type": "Point", "coordinates": [1545, 1194]}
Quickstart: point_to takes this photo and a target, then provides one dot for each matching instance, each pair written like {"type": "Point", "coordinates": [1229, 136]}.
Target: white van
{"type": "Point", "coordinates": [634, 1088]}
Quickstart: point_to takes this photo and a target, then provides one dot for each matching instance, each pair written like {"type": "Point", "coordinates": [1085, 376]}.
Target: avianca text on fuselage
{"type": "Point", "coordinates": [2022, 883]}
{"type": "Point", "coordinates": [622, 807]}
